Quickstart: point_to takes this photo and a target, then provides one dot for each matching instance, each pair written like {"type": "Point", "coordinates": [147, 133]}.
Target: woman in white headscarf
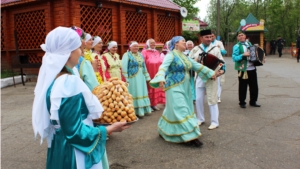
{"type": "Point", "coordinates": [153, 61]}
{"type": "Point", "coordinates": [84, 66]}
{"type": "Point", "coordinates": [165, 50]}
{"type": "Point", "coordinates": [97, 61]}
{"type": "Point", "coordinates": [135, 71]}
{"type": "Point", "coordinates": [112, 62]}
{"type": "Point", "coordinates": [64, 107]}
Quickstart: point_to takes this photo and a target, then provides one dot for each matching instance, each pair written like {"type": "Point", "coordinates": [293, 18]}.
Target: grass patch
{"type": "Point", "coordinates": [7, 73]}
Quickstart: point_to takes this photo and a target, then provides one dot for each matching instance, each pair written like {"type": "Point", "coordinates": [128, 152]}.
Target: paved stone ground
{"type": "Point", "coordinates": [251, 138]}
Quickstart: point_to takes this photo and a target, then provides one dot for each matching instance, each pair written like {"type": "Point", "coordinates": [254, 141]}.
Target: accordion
{"type": "Point", "coordinates": [257, 55]}
{"type": "Point", "coordinates": [210, 61]}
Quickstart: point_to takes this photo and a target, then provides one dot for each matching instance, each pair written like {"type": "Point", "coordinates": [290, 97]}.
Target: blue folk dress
{"type": "Point", "coordinates": [178, 122]}
{"type": "Point", "coordinates": [76, 143]}
{"type": "Point", "coordinates": [136, 74]}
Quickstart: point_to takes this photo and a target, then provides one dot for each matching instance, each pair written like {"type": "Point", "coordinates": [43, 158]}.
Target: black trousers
{"type": "Point", "coordinates": [253, 87]}
{"type": "Point", "coordinates": [273, 51]}
{"type": "Point", "coordinates": [298, 57]}
{"type": "Point", "coordinates": [280, 52]}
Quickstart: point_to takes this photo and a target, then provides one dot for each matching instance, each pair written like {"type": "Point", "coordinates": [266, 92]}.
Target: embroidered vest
{"type": "Point", "coordinates": [175, 73]}
{"type": "Point", "coordinates": [133, 65]}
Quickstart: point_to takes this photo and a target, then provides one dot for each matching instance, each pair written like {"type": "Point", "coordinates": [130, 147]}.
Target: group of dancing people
{"type": "Point", "coordinates": [73, 65]}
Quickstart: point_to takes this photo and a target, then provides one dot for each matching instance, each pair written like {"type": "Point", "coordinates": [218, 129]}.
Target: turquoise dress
{"type": "Point", "coordinates": [87, 73]}
{"type": "Point", "coordinates": [71, 133]}
{"type": "Point", "coordinates": [136, 74]}
{"type": "Point", "coordinates": [178, 122]}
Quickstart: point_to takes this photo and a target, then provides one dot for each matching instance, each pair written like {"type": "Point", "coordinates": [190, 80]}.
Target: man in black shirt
{"type": "Point", "coordinates": [273, 46]}
{"type": "Point", "coordinates": [280, 44]}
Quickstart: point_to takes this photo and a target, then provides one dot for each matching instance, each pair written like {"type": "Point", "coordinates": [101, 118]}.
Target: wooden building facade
{"type": "Point", "coordinates": [118, 20]}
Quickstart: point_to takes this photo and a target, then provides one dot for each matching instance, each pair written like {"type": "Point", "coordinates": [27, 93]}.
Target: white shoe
{"type": "Point", "coordinates": [219, 100]}
{"type": "Point", "coordinates": [211, 127]}
{"type": "Point", "coordinates": [200, 123]}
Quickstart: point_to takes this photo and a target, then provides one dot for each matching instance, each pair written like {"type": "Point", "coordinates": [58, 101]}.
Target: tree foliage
{"type": "Point", "coordinates": [282, 17]}
{"type": "Point", "coordinates": [189, 5]}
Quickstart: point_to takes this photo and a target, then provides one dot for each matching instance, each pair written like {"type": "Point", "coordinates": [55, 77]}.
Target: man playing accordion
{"type": "Point", "coordinates": [202, 53]}
{"type": "Point", "coordinates": [246, 71]}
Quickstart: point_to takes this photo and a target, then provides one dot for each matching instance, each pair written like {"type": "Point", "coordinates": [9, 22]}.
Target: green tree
{"type": "Point", "coordinates": [189, 5]}
{"type": "Point", "coordinates": [281, 17]}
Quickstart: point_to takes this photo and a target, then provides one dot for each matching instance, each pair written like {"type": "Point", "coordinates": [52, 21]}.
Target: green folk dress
{"type": "Point", "coordinates": [136, 74]}
{"type": "Point", "coordinates": [76, 144]}
{"type": "Point", "coordinates": [178, 122]}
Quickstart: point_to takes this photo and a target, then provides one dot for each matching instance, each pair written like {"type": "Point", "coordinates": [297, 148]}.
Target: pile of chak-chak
{"type": "Point", "coordinates": [116, 102]}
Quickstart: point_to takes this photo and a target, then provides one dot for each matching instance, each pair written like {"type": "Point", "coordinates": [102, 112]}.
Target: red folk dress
{"type": "Point", "coordinates": [153, 61]}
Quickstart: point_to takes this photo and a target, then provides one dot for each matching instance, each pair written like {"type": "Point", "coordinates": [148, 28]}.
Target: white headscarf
{"type": "Point", "coordinates": [112, 44]}
{"type": "Point", "coordinates": [133, 43]}
{"type": "Point", "coordinates": [97, 39]}
{"type": "Point", "coordinates": [60, 42]}
{"type": "Point", "coordinates": [189, 41]}
{"type": "Point", "coordinates": [148, 44]}
{"type": "Point", "coordinates": [87, 37]}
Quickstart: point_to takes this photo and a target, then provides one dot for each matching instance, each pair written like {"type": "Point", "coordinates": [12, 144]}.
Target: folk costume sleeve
{"type": "Point", "coordinates": [145, 71]}
{"type": "Point", "coordinates": [160, 76]}
{"type": "Point", "coordinates": [236, 56]}
{"type": "Point", "coordinates": [125, 66]}
{"type": "Point", "coordinates": [90, 140]}
{"type": "Point", "coordinates": [107, 75]}
{"type": "Point", "coordinates": [203, 72]}
{"type": "Point", "coordinates": [88, 75]}
{"type": "Point", "coordinates": [224, 65]}
{"type": "Point", "coordinates": [223, 51]}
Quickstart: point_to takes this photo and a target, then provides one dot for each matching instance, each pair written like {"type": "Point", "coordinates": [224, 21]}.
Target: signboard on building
{"type": "Point", "coordinates": [254, 26]}
{"type": "Point", "coordinates": [190, 25]}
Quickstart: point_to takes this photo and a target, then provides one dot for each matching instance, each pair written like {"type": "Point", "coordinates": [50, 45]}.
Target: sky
{"type": "Point", "coordinates": [202, 5]}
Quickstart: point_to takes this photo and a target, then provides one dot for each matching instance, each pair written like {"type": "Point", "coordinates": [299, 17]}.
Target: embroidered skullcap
{"type": "Point", "coordinates": [79, 31]}
{"type": "Point", "coordinates": [205, 32]}
{"type": "Point", "coordinates": [241, 32]}
{"type": "Point", "coordinates": [112, 44]}
{"type": "Point", "coordinates": [97, 39]}
{"type": "Point", "coordinates": [174, 40]}
{"type": "Point", "coordinates": [58, 46]}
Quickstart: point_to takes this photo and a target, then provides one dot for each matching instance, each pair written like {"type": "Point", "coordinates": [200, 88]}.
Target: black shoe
{"type": "Point", "coordinates": [243, 106]}
{"type": "Point", "coordinates": [196, 143]}
{"type": "Point", "coordinates": [254, 105]}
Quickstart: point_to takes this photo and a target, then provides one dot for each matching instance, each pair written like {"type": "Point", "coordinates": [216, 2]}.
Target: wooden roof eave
{"type": "Point", "coordinates": [145, 5]}
{"type": "Point", "coordinates": [17, 3]}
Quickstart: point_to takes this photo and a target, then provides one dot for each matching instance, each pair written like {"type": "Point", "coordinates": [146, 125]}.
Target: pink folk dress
{"type": "Point", "coordinates": [153, 60]}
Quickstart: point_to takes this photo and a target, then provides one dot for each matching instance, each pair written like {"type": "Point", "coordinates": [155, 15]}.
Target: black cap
{"type": "Point", "coordinates": [205, 32]}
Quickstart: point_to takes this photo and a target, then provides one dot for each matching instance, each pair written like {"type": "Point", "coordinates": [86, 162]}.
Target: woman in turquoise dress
{"type": "Point", "coordinates": [136, 74]}
{"type": "Point", "coordinates": [178, 123]}
{"type": "Point", "coordinates": [64, 107]}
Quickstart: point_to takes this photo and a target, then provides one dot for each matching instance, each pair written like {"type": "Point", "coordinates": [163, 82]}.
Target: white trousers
{"type": "Point", "coordinates": [214, 110]}
{"type": "Point", "coordinates": [219, 88]}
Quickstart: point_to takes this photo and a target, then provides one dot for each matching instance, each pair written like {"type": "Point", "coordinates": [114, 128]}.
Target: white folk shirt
{"type": "Point", "coordinates": [211, 85]}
